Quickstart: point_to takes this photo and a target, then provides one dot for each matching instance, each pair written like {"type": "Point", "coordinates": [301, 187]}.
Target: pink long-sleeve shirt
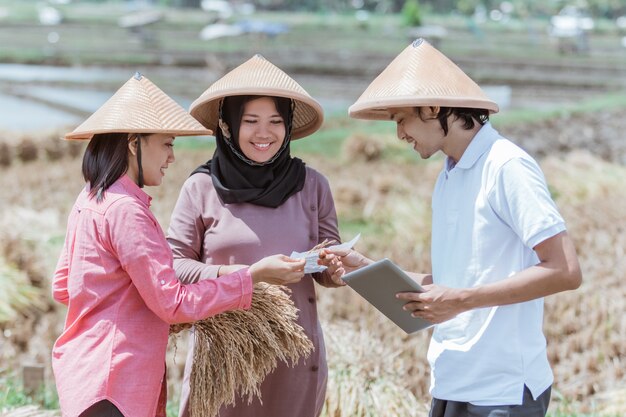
{"type": "Point", "coordinates": [115, 276]}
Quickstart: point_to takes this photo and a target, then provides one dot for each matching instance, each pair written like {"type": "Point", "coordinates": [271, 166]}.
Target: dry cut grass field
{"type": "Point", "coordinates": [373, 365]}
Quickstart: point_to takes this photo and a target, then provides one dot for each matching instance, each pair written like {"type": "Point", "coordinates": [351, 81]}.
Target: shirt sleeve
{"type": "Point", "coordinates": [143, 253]}
{"type": "Point", "coordinates": [59, 281]}
{"type": "Point", "coordinates": [327, 224]}
{"type": "Point", "coordinates": [186, 234]}
{"type": "Point", "coordinates": [521, 198]}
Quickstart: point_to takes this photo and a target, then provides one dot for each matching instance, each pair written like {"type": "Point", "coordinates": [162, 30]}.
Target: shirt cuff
{"type": "Point", "coordinates": [245, 279]}
{"type": "Point", "coordinates": [546, 234]}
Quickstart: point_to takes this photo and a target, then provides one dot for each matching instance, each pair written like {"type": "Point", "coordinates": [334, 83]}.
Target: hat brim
{"type": "Point", "coordinates": [379, 109]}
{"type": "Point", "coordinates": [308, 115]}
{"type": "Point", "coordinates": [87, 135]}
{"type": "Point", "coordinates": [259, 77]}
{"type": "Point", "coordinates": [139, 106]}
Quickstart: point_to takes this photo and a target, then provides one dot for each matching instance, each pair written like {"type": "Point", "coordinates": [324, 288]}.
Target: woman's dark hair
{"type": "Point", "coordinates": [468, 116]}
{"type": "Point", "coordinates": [105, 160]}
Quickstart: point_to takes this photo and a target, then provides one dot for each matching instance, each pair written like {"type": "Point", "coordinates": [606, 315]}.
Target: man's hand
{"type": "Point", "coordinates": [350, 259]}
{"type": "Point", "coordinates": [335, 267]}
{"type": "Point", "coordinates": [436, 304]}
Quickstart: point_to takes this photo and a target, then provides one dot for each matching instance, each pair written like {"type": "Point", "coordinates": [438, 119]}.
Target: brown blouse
{"type": "Point", "coordinates": [204, 233]}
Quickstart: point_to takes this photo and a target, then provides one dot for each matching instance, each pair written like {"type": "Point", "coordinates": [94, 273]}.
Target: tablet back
{"type": "Point", "coordinates": [378, 283]}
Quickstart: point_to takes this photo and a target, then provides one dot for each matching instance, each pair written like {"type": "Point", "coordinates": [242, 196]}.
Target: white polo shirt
{"type": "Point", "coordinates": [489, 211]}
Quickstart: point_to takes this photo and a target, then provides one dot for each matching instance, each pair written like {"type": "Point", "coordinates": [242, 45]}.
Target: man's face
{"type": "Point", "coordinates": [420, 128]}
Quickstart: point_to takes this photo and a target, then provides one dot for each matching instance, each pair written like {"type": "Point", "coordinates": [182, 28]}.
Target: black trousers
{"type": "Point", "coordinates": [529, 408]}
{"type": "Point", "coordinates": [102, 408]}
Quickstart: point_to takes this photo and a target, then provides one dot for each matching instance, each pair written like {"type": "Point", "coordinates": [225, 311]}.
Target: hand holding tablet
{"type": "Point", "coordinates": [379, 283]}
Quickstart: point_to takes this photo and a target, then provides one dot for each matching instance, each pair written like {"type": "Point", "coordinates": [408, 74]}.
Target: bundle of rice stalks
{"type": "Point", "coordinates": [365, 378]}
{"type": "Point", "coordinates": [236, 350]}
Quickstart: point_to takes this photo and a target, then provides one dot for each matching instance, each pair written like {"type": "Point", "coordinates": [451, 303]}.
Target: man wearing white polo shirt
{"type": "Point", "coordinates": [499, 244]}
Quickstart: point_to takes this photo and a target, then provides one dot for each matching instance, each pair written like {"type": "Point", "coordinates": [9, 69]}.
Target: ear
{"type": "Point", "coordinates": [132, 145]}
{"type": "Point", "coordinates": [224, 128]}
{"type": "Point", "coordinates": [433, 111]}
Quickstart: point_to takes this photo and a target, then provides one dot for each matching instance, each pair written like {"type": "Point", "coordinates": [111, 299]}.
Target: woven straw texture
{"type": "Point", "coordinates": [139, 106]}
{"type": "Point", "coordinates": [258, 76]}
{"type": "Point", "coordinates": [419, 76]}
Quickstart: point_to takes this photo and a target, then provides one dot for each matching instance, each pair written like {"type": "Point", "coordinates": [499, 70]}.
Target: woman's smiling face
{"type": "Point", "coordinates": [262, 130]}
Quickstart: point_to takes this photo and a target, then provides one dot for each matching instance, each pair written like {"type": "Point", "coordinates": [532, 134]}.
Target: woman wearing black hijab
{"type": "Point", "coordinates": [251, 199]}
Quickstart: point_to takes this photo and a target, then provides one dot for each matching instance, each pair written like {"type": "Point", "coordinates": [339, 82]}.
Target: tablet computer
{"type": "Point", "coordinates": [379, 283]}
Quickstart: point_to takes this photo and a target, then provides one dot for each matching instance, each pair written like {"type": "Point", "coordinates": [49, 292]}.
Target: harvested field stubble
{"type": "Point", "coordinates": [365, 378]}
{"type": "Point", "coordinates": [389, 201]}
{"type": "Point", "coordinates": [586, 329]}
{"type": "Point", "coordinates": [599, 132]}
{"type": "Point", "coordinates": [47, 145]}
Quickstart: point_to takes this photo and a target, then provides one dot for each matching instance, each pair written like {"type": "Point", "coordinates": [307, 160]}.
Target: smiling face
{"type": "Point", "coordinates": [419, 128]}
{"type": "Point", "coordinates": [262, 130]}
{"type": "Point", "coordinates": [157, 152]}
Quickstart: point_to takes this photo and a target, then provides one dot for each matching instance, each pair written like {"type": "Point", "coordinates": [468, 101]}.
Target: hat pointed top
{"type": "Point", "coordinates": [258, 76]}
{"type": "Point", "coordinates": [139, 106]}
{"type": "Point", "coordinates": [419, 76]}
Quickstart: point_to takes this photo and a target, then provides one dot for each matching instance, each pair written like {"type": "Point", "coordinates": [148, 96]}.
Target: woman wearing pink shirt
{"type": "Point", "coordinates": [115, 272]}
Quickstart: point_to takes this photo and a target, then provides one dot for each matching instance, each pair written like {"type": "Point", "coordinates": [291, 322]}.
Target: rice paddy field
{"type": "Point", "coordinates": [567, 111]}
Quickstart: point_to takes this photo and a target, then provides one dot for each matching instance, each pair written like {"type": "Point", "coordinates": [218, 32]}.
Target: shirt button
{"type": "Point", "coordinates": [314, 368]}
{"type": "Point", "coordinates": [313, 238]}
{"type": "Point", "coordinates": [311, 300]}
{"type": "Point", "coordinates": [313, 207]}
{"type": "Point", "coordinates": [162, 282]}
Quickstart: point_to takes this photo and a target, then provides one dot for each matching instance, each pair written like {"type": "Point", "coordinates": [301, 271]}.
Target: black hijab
{"type": "Point", "coordinates": [238, 179]}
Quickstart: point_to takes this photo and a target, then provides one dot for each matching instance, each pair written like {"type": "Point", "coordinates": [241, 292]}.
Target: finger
{"type": "Point", "coordinates": [413, 306]}
{"type": "Point", "coordinates": [323, 261]}
{"type": "Point", "coordinates": [337, 277]}
{"type": "Point", "coordinates": [339, 252]}
{"type": "Point", "coordinates": [288, 259]}
{"type": "Point", "coordinates": [295, 263]}
{"type": "Point", "coordinates": [411, 296]}
{"type": "Point", "coordinates": [298, 276]}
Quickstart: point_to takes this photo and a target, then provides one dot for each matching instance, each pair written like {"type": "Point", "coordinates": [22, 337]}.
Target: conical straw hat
{"type": "Point", "coordinates": [139, 106]}
{"type": "Point", "coordinates": [419, 76]}
{"type": "Point", "coordinates": [259, 77]}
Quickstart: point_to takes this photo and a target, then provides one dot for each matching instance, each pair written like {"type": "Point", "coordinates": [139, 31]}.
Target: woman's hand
{"type": "Point", "coordinates": [277, 270]}
{"type": "Point", "coordinates": [333, 263]}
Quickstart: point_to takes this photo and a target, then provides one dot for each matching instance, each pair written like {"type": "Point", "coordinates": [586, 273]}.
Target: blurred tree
{"type": "Point", "coordinates": [522, 8]}
{"type": "Point", "coordinates": [611, 9]}
{"type": "Point", "coordinates": [187, 3]}
{"type": "Point", "coordinates": [411, 13]}
{"type": "Point", "coordinates": [467, 7]}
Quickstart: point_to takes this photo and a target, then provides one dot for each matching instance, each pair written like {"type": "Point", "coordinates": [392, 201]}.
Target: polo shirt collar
{"type": "Point", "coordinates": [133, 189]}
{"type": "Point", "coordinates": [480, 144]}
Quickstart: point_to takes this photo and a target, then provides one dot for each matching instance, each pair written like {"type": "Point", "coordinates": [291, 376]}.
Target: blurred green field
{"type": "Point", "coordinates": [89, 34]}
